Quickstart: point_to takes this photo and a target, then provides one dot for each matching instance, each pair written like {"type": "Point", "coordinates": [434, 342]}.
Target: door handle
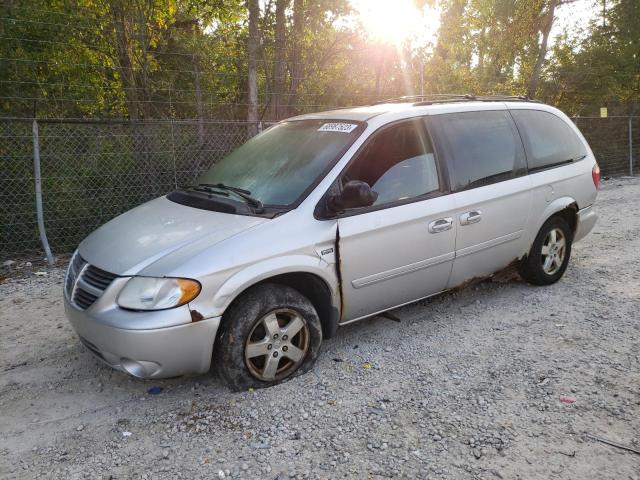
{"type": "Point", "coordinates": [440, 225]}
{"type": "Point", "coordinates": [474, 216]}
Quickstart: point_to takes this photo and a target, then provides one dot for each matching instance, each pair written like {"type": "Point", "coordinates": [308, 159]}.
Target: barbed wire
{"type": "Point", "coordinates": [145, 37]}
{"type": "Point", "coordinates": [155, 87]}
{"type": "Point", "coordinates": [217, 62]}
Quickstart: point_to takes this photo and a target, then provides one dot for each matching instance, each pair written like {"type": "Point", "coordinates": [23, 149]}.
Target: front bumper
{"type": "Point", "coordinates": [150, 353]}
{"type": "Point", "coordinates": [587, 219]}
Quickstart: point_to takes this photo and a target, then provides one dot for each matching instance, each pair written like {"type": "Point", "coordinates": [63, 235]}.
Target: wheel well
{"type": "Point", "coordinates": [315, 289]}
{"type": "Point", "coordinates": [570, 214]}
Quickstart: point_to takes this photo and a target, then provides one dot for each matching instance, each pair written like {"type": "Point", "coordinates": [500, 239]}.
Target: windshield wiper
{"type": "Point", "coordinates": [203, 189]}
{"type": "Point", "coordinates": [253, 202]}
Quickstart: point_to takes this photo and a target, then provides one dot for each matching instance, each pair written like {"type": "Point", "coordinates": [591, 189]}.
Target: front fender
{"type": "Point", "coordinates": [255, 273]}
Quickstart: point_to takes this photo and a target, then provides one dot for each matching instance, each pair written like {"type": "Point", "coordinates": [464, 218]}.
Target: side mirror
{"type": "Point", "coordinates": [355, 194]}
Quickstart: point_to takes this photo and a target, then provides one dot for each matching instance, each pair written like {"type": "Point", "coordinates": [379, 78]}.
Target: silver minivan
{"type": "Point", "coordinates": [326, 219]}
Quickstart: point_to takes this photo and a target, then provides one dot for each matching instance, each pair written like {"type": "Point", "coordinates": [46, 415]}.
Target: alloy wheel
{"type": "Point", "coordinates": [277, 345]}
{"type": "Point", "coordinates": [554, 249]}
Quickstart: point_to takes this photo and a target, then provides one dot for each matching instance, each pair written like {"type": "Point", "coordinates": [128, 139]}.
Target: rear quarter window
{"type": "Point", "coordinates": [548, 140]}
{"type": "Point", "coordinates": [480, 148]}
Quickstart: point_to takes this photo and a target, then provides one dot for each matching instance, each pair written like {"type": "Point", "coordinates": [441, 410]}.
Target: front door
{"type": "Point", "coordinates": [401, 248]}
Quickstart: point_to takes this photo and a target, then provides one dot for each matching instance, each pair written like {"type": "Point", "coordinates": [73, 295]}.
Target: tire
{"type": "Point", "coordinates": [537, 268]}
{"type": "Point", "coordinates": [254, 338]}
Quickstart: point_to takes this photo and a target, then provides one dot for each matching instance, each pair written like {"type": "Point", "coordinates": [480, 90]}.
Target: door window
{"type": "Point", "coordinates": [548, 139]}
{"type": "Point", "coordinates": [398, 163]}
{"type": "Point", "coordinates": [480, 148]}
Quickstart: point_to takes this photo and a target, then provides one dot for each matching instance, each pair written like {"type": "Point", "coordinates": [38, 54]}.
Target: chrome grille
{"type": "Point", "coordinates": [83, 299]}
{"type": "Point", "coordinates": [85, 283]}
{"type": "Point", "coordinates": [75, 267]}
{"type": "Point", "coordinates": [98, 278]}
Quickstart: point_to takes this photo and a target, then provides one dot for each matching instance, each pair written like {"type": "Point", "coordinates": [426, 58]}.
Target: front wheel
{"type": "Point", "coordinates": [550, 252]}
{"type": "Point", "coordinates": [271, 333]}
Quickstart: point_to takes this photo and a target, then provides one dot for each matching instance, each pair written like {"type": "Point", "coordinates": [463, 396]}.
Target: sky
{"type": "Point", "coordinates": [573, 16]}
{"type": "Point", "coordinates": [394, 21]}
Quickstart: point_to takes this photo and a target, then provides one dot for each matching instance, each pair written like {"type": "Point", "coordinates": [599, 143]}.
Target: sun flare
{"type": "Point", "coordinates": [389, 21]}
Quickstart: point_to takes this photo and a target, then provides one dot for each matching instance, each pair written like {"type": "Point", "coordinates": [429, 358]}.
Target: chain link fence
{"type": "Point", "coordinates": [615, 141]}
{"type": "Point", "coordinates": [91, 171]}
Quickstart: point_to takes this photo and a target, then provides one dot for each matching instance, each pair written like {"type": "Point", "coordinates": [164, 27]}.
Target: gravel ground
{"type": "Point", "coordinates": [467, 385]}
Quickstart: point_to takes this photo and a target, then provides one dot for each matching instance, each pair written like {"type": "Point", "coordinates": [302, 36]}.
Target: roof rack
{"type": "Point", "coordinates": [417, 98]}
{"type": "Point", "coordinates": [430, 99]}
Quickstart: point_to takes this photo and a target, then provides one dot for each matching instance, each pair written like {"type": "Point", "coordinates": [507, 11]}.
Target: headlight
{"type": "Point", "coordinates": [145, 293]}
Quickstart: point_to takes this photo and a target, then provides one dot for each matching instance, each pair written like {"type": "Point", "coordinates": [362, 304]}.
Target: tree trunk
{"type": "Point", "coordinates": [481, 53]}
{"type": "Point", "coordinates": [140, 143]}
{"type": "Point", "coordinates": [277, 94]}
{"type": "Point", "coordinates": [124, 63]}
{"type": "Point", "coordinates": [200, 110]}
{"type": "Point", "coordinates": [252, 77]}
{"type": "Point", "coordinates": [379, 67]}
{"type": "Point", "coordinates": [542, 51]}
{"type": "Point", "coordinates": [297, 71]}
{"type": "Point", "coordinates": [143, 81]}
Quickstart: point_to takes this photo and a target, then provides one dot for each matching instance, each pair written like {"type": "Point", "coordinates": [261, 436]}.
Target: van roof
{"type": "Point", "coordinates": [396, 105]}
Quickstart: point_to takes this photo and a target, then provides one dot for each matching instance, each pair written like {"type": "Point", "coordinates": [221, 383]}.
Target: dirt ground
{"type": "Point", "coordinates": [466, 386]}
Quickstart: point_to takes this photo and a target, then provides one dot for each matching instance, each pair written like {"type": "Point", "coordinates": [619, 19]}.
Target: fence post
{"type": "Point", "coordinates": [630, 146]}
{"type": "Point", "coordinates": [173, 155]}
{"type": "Point", "coordinates": [38, 180]}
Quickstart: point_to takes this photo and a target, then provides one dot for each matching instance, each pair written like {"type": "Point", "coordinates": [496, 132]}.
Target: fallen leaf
{"type": "Point", "coordinates": [567, 399]}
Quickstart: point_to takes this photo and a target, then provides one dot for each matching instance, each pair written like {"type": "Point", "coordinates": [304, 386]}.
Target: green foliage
{"type": "Point", "coordinates": [188, 58]}
{"type": "Point", "coordinates": [603, 70]}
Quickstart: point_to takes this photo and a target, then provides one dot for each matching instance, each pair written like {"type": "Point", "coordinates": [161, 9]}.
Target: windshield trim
{"type": "Point", "coordinates": [273, 210]}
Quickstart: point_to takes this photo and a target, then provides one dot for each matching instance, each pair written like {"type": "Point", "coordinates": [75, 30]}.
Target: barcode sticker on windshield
{"type": "Point", "coordinates": [338, 127]}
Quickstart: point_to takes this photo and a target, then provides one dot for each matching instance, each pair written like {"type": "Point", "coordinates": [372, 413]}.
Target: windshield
{"type": "Point", "coordinates": [280, 164]}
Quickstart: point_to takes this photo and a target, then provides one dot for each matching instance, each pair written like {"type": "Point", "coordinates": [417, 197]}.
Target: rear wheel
{"type": "Point", "coordinates": [550, 253]}
{"type": "Point", "coordinates": [271, 333]}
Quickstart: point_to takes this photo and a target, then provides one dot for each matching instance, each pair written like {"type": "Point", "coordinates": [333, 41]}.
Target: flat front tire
{"type": "Point", "coordinates": [550, 253]}
{"type": "Point", "coordinates": [270, 334]}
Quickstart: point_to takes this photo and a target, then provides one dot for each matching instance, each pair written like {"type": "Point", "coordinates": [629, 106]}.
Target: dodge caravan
{"type": "Point", "coordinates": [325, 219]}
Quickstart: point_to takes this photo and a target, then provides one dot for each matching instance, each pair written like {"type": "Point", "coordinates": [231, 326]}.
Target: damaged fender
{"type": "Point", "coordinates": [266, 269]}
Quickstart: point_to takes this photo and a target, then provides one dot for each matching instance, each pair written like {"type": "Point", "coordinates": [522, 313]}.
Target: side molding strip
{"type": "Point", "coordinates": [399, 271]}
{"type": "Point", "coordinates": [488, 244]}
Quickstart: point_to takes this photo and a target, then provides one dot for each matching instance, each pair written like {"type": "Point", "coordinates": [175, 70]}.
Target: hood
{"type": "Point", "coordinates": [139, 237]}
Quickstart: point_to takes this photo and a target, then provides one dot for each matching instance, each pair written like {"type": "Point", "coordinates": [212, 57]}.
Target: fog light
{"type": "Point", "coordinates": [139, 369]}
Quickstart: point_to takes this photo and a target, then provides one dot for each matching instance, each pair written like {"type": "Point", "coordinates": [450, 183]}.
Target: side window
{"type": "Point", "coordinates": [547, 138]}
{"type": "Point", "coordinates": [480, 148]}
{"type": "Point", "coordinates": [397, 163]}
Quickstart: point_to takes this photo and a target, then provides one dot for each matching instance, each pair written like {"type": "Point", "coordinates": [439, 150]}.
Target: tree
{"type": "Point", "coordinates": [232, 59]}
{"type": "Point", "coordinates": [297, 70]}
{"type": "Point", "coordinates": [278, 102]}
{"type": "Point", "coordinates": [252, 55]}
{"type": "Point", "coordinates": [603, 69]}
{"type": "Point", "coordinates": [547, 22]}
